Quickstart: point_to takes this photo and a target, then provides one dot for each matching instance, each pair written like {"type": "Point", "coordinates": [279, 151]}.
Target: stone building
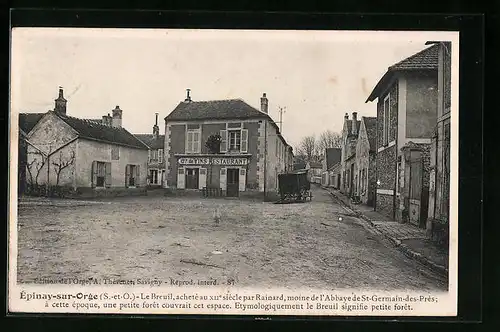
{"type": "Point", "coordinates": [332, 157]}
{"type": "Point", "coordinates": [350, 133]}
{"type": "Point", "coordinates": [406, 117]}
{"type": "Point", "coordinates": [250, 155]}
{"type": "Point", "coordinates": [156, 161]}
{"type": "Point", "coordinates": [439, 191]}
{"type": "Point", "coordinates": [365, 160]}
{"type": "Point", "coordinates": [86, 157]}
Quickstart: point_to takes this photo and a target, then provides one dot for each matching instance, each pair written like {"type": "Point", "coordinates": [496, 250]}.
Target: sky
{"type": "Point", "coordinates": [317, 75]}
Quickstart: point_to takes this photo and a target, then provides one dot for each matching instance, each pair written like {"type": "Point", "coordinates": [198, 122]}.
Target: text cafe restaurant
{"type": "Point", "coordinates": [231, 173]}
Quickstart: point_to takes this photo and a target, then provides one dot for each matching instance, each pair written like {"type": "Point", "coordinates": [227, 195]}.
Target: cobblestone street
{"type": "Point", "coordinates": [317, 244]}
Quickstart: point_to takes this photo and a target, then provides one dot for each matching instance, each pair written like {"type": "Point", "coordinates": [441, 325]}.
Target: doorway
{"type": "Point", "coordinates": [233, 182]}
{"type": "Point", "coordinates": [192, 177]}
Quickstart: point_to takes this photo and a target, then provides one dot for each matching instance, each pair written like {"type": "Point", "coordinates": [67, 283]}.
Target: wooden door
{"type": "Point", "coordinates": [233, 182]}
{"type": "Point", "coordinates": [192, 176]}
{"type": "Point", "coordinates": [415, 187]}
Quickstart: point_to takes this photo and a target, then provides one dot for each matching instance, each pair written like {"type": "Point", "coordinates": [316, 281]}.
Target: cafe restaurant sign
{"type": "Point", "coordinates": [213, 161]}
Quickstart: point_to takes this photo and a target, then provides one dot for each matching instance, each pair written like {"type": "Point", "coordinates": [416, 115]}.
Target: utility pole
{"type": "Point", "coordinates": [281, 111]}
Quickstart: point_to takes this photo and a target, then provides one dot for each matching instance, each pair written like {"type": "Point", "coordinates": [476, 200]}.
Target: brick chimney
{"type": "Point", "coordinates": [107, 120]}
{"type": "Point", "coordinates": [346, 117]}
{"type": "Point", "coordinates": [117, 117]}
{"type": "Point", "coordinates": [264, 103]}
{"type": "Point", "coordinates": [60, 103]}
{"type": "Point", "coordinates": [354, 122]}
{"type": "Point", "coordinates": [188, 96]}
{"type": "Point", "coordinates": [156, 129]}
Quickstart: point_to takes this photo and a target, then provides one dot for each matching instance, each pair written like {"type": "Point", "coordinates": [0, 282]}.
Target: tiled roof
{"type": "Point", "coordinates": [152, 141]}
{"type": "Point", "coordinates": [28, 120]}
{"type": "Point", "coordinates": [215, 109]}
{"type": "Point", "coordinates": [371, 131]}
{"type": "Point", "coordinates": [218, 109]}
{"type": "Point", "coordinates": [426, 59]}
{"type": "Point", "coordinates": [97, 131]}
{"type": "Point", "coordinates": [333, 156]}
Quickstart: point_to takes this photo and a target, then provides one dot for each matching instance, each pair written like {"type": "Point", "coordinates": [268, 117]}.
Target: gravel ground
{"type": "Point", "coordinates": [315, 244]}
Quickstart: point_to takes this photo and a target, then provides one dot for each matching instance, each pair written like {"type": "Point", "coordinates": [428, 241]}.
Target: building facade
{"type": "Point", "coordinates": [86, 157]}
{"type": "Point", "coordinates": [156, 162]}
{"type": "Point", "coordinates": [365, 160]}
{"type": "Point", "coordinates": [332, 157]}
{"type": "Point", "coordinates": [439, 193]}
{"type": "Point", "coordinates": [250, 150]}
{"type": "Point", "coordinates": [350, 133]}
{"type": "Point", "coordinates": [406, 116]}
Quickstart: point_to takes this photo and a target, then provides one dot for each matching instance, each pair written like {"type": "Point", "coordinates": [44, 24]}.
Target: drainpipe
{"type": "Point", "coordinates": [265, 157]}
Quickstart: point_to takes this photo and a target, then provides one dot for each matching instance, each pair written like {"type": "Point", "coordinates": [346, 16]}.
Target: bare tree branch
{"type": "Point", "coordinates": [62, 163]}
{"type": "Point", "coordinates": [329, 139]}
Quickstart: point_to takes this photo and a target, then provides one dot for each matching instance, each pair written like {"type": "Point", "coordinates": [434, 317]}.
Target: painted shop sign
{"type": "Point", "coordinates": [213, 161]}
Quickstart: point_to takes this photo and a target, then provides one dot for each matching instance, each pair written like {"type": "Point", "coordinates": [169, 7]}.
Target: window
{"type": "Point", "coordinates": [234, 140]}
{"type": "Point", "coordinates": [387, 119]}
{"type": "Point", "coordinates": [193, 144]}
{"type": "Point", "coordinates": [153, 176]}
{"type": "Point", "coordinates": [115, 152]}
{"type": "Point", "coordinates": [160, 155]}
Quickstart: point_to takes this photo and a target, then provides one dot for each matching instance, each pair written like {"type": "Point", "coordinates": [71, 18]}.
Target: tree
{"type": "Point", "coordinates": [329, 139]}
{"type": "Point", "coordinates": [62, 163]}
{"type": "Point", "coordinates": [213, 143]}
{"type": "Point", "coordinates": [308, 149]}
{"type": "Point", "coordinates": [213, 146]}
{"type": "Point", "coordinates": [35, 166]}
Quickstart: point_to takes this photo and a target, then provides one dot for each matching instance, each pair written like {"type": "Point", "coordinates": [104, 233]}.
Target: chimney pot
{"type": "Point", "coordinates": [188, 97]}
{"type": "Point", "coordinates": [354, 122]}
{"type": "Point", "coordinates": [60, 103]}
{"type": "Point", "coordinates": [117, 117]}
{"type": "Point", "coordinates": [264, 103]}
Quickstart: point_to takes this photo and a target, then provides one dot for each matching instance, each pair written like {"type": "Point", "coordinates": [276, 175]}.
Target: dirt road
{"type": "Point", "coordinates": [315, 244]}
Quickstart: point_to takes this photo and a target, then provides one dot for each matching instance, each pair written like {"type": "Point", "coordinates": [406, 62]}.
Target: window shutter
{"type": "Point", "coordinates": [202, 178]}
{"type": "Point", "coordinates": [244, 140]}
{"type": "Point", "coordinates": [160, 155]}
{"type": "Point", "coordinates": [137, 175]}
{"type": "Point", "coordinates": [189, 142]}
{"type": "Point", "coordinates": [242, 179]}
{"type": "Point", "coordinates": [107, 179]}
{"type": "Point", "coordinates": [94, 174]}
{"type": "Point", "coordinates": [196, 142]}
{"type": "Point", "coordinates": [223, 144]}
{"type": "Point", "coordinates": [180, 178]}
{"type": "Point", "coordinates": [127, 175]}
{"type": "Point", "coordinates": [223, 179]}
{"type": "Point", "coordinates": [149, 156]}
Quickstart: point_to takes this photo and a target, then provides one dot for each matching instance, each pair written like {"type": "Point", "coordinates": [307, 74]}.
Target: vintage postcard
{"type": "Point", "coordinates": [242, 172]}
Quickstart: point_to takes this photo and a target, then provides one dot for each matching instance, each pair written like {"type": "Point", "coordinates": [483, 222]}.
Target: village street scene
{"type": "Point", "coordinates": [245, 172]}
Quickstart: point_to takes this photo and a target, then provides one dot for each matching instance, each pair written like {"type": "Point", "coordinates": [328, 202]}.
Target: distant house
{"type": "Point", "coordinates": [406, 117]}
{"type": "Point", "coordinates": [332, 156]}
{"type": "Point", "coordinates": [348, 165]}
{"type": "Point", "coordinates": [156, 160]}
{"type": "Point", "coordinates": [251, 154]}
{"type": "Point", "coordinates": [365, 160]}
{"type": "Point", "coordinates": [315, 169]}
{"type": "Point", "coordinates": [93, 158]}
